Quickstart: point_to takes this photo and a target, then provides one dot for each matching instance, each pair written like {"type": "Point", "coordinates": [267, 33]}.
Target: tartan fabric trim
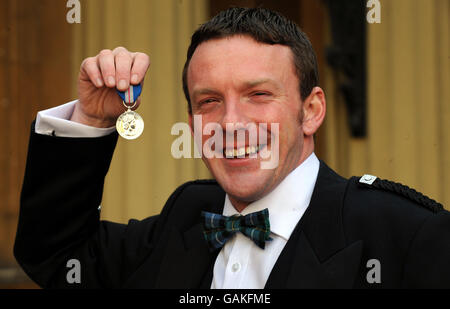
{"type": "Point", "coordinates": [217, 229]}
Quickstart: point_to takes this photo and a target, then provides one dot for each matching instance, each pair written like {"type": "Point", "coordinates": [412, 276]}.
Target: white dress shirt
{"type": "Point", "coordinates": [55, 121]}
{"type": "Point", "coordinates": [241, 264]}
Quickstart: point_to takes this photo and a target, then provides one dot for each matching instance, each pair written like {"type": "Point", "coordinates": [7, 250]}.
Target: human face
{"type": "Point", "coordinates": [239, 80]}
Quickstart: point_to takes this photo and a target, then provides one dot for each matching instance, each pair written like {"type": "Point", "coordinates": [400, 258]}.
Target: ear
{"type": "Point", "coordinates": [314, 110]}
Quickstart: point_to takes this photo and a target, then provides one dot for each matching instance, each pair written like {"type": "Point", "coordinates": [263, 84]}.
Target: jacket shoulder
{"type": "Point", "coordinates": [186, 203]}
{"type": "Point", "coordinates": [195, 189]}
{"type": "Point", "coordinates": [392, 193]}
{"type": "Point", "coordinates": [200, 189]}
{"type": "Point", "coordinates": [400, 227]}
{"type": "Point", "coordinates": [373, 204]}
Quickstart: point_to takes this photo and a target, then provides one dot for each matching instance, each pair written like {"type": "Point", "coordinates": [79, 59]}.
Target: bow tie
{"type": "Point", "coordinates": [217, 229]}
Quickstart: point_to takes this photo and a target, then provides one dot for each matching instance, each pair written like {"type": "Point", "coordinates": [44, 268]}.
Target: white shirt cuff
{"type": "Point", "coordinates": [55, 121]}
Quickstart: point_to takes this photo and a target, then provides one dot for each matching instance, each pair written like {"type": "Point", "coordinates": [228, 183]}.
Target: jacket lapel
{"type": "Point", "coordinates": [187, 261]}
{"type": "Point", "coordinates": [338, 271]}
{"type": "Point", "coordinates": [316, 255]}
{"type": "Point", "coordinates": [182, 259]}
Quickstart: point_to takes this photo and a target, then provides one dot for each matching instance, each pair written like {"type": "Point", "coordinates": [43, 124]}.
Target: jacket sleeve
{"type": "Point", "coordinates": [59, 219]}
{"type": "Point", "coordinates": [428, 261]}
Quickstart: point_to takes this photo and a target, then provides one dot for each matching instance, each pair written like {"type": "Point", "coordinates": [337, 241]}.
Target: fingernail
{"type": "Point", "coordinates": [122, 84]}
{"type": "Point", "coordinates": [99, 82]}
{"type": "Point", "coordinates": [111, 81]}
{"type": "Point", "coordinates": [135, 79]}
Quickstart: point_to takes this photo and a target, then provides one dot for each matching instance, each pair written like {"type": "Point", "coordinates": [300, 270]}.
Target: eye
{"type": "Point", "coordinates": [208, 101]}
{"type": "Point", "coordinates": [260, 96]}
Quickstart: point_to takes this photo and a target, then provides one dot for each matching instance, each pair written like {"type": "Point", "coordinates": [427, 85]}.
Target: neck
{"type": "Point", "coordinates": [239, 205]}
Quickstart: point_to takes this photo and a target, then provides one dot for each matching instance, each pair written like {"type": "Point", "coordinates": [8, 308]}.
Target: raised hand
{"type": "Point", "coordinates": [99, 105]}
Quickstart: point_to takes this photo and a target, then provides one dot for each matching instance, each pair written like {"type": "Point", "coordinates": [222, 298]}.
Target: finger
{"type": "Point", "coordinates": [141, 63]}
{"type": "Point", "coordinates": [106, 62]}
{"type": "Point", "coordinates": [90, 69]}
{"type": "Point", "coordinates": [123, 62]}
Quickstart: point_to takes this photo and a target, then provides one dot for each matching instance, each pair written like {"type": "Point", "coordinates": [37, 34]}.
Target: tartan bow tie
{"type": "Point", "coordinates": [217, 229]}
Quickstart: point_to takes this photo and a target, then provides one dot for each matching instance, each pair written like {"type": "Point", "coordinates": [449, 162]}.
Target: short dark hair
{"type": "Point", "coordinates": [264, 26]}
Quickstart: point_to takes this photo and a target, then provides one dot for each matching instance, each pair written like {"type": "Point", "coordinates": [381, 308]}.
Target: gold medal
{"type": "Point", "coordinates": [130, 124]}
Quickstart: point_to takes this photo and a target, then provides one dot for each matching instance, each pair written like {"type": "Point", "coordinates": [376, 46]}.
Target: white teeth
{"type": "Point", "coordinates": [229, 153]}
{"type": "Point", "coordinates": [242, 151]}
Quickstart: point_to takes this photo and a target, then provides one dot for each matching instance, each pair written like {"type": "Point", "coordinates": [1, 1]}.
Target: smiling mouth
{"type": "Point", "coordinates": [242, 152]}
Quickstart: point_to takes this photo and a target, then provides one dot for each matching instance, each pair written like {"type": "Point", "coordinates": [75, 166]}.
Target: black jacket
{"type": "Point", "coordinates": [344, 227]}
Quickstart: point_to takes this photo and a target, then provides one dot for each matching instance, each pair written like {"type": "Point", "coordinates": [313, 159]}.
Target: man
{"type": "Point", "coordinates": [243, 66]}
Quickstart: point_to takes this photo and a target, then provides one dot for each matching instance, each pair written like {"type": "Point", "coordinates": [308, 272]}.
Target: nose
{"type": "Point", "coordinates": [234, 123]}
{"type": "Point", "coordinates": [234, 114]}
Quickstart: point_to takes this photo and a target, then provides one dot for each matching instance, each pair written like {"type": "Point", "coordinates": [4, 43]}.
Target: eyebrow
{"type": "Point", "coordinates": [204, 91]}
{"type": "Point", "coordinates": [247, 84]}
{"type": "Point", "coordinates": [257, 82]}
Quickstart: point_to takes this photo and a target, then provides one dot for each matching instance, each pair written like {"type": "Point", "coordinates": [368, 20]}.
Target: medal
{"type": "Point", "coordinates": [130, 124]}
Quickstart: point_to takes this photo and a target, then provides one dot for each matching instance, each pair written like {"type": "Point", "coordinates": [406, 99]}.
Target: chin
{"type": "Point", "coordinates": [247, 195]}
{"type": "Point", "coordinates": [246, 187]}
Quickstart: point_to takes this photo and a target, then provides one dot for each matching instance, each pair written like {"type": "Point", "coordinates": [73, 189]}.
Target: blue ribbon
{"type": "Point", "coordinates": [131, 94]}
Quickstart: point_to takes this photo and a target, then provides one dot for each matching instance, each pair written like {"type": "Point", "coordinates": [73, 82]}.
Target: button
{"type": "Point", "coordinates": [368, 179]}
{"type": "Point", "coordinates": [235, 267]}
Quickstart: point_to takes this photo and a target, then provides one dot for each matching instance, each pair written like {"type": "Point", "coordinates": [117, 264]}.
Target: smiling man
{"type": "Point", "coordinates": [295, 225]}
{"type": "Point", "coordinates": [227, 84]}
